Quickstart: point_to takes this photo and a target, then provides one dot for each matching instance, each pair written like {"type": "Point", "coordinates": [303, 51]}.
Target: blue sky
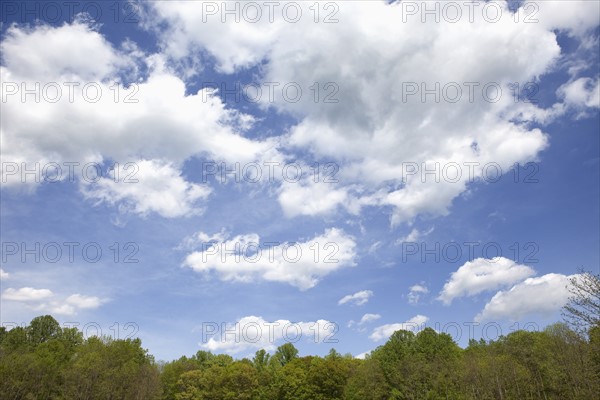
{"type": "Point", "coordinates": [397, 247]}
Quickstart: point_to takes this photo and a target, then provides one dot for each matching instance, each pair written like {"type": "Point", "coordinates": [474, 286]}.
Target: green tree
{"type": "Point", "coordinates": [367, 382]}
{"type": "Point", "coordinates": [33, 358]}
{"type": "Point", "coordinates": [190, 386]}
{"type": "Point", "coordinates": [106, 368]}
{"type": "Point", "coordinates": [172, 372]}
{"type": "Point", "coordinates": [42, 328]}
{"type": "Point", "coordinates": [285, 354]}
{"type": "Point", "coordinates": [236, 381]}
{"type": "Point", "coordinates": [261, 362]}
{"type": "Point", "coordinates": [327, 377]}
{"type": "Point", "coordinates": [290, 381]}
{"type": "Point", "coordinates": [14, 339]}
{"type": "Point", "coordinates": [394, 360]}
{"type": "Point", "coordinates": [240, 382]}
{"type": "Point", "coordinates": [594, 335]}
{"type": "Point", "coordinates": [261, 359]}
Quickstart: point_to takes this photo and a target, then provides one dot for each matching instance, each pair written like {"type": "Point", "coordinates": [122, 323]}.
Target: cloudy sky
{"type": "Point", "coordinates": [231, 175]}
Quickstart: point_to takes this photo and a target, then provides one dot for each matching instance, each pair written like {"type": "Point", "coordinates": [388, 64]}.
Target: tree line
{"type": "Point", "coordinates": [45, 361]}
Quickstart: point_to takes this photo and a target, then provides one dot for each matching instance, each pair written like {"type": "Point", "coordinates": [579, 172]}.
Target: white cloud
{"type": "Point", "coordinates": [197, 239]}
{"type": "Point", "coordinates": [80, 301]}
{"type": "Point", "coordinates": [369, 134]}
{"type": "Point", "coordinates": [368, 318]}
{"type": "Point", "coordinates": [246, 42]}
{"type": "Point", "coordinates": [4, 275]}
{"type": "Point", "coordinates": [155, 187]}
{"type": "Point", "coordinates": [543, 295]}
{"type": "Point", "coordinates": [310, 198]}
{"type": "Point", "coordinates": [159, 123]}
{"type": "Point", "coordinates": [362, 356]}
{"type": "Point", "coordinates": [253, 332]}
{"type": "Point", "coordinates": [245, 258]}
{"type": "Point", "coordinates": [39, 300]}
{"type": "Point", "coordinates": [358, 298]}
{"type": "Point", "coordinates": [416, 291]}
{"type": "Point", "coordinates": [71, 305]}
{"type": "Point", "coordinates": [414, 324]}
{"type": "Point", "coordinates": [481, 275]}
{"type": "Point", "coordinates": [414, 236]}
{"type": "Point", "coordinates": [190, 26]}
{"type": "Point", "coordinates": [580, 16]}
{"type": "Point", "coordinates": [581, 93]}
{"type": "Point", "coordinates": [52, 50]}
{"type": "Point", "coordinates": [26, 294]}
{"type": "Point", "coordinates": [57, 308]}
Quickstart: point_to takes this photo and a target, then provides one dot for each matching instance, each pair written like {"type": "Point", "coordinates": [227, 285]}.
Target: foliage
{"type": "Point", "coordinates": [45, 361]}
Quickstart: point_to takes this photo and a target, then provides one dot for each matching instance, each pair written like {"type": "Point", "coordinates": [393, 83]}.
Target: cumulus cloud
{"type": "Point", "coordinates": [358, 298]}
{"type": "Point", "coordinates": [310, 198]}
{"type": "Point", "coordinates": [26, 294]}
{"type": "Point", "coordinates": [368, 318]}
{"type": "Point", "coordinates": [244, 258]}
{"type": "Point", "coordinates": [414, 324]}
{"type": "Point", "coordinates": [81, 301]}
{"type": "Point", "coordinates": [371, 135]}
{"type": "Point", "coordinates": [481, 275]}
{"type": "Point", "coordinates": [196, 240]}
{"type": "Point", "coordinates": [578, 18]}
{"type": "Point", "coordinates": [42, 300]}
{"type": "Point", "coordinates": [253, 333]}
{"type": "Point", "coordinates": [150, 186]}
{"type": "Point", "coordinates": [374, 129]}
{"type": "Point", "coordinates": [197, 123]}
{"type": "Point", "coordinates": [52, 50]}
{"type": "Point", "coordinates": [365, 319]}
{"type": "Point", "coordinates": [581, 94]}
{"type": "Point", "coordinates": [543, 295]}
{"type": "Point", "coordinates": [367, 131]}
{"type": "Point", "coordinates": [71, 305]}
{"type": "Point", "coordinates": [416, 291]}
{"type": "Point", "coordinates": [103, 104]}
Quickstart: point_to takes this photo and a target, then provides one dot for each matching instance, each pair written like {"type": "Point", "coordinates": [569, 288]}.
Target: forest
{"type": "Point", "coordinates": [46, 361]}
